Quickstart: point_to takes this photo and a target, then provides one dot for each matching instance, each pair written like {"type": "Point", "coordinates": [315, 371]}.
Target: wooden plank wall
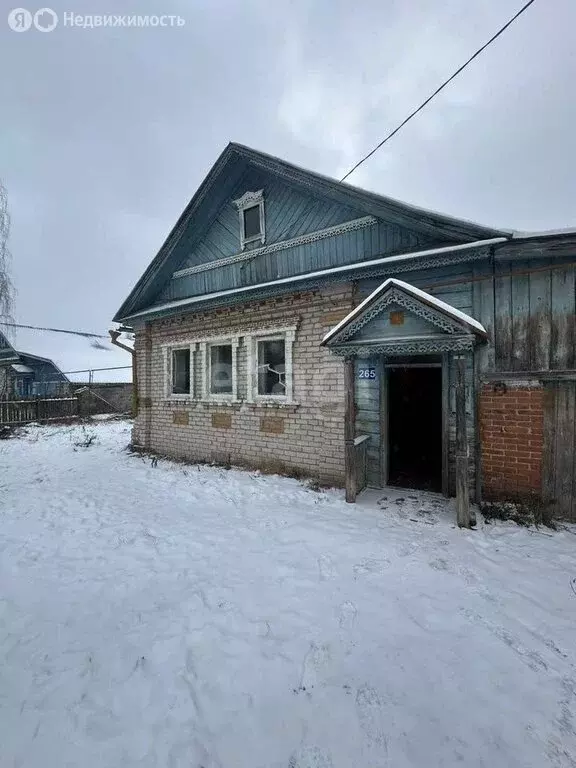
{"type": "Point", "coordinates": [559, 466]}
{"type": "Point", "coordinates": [290, 212]}
{"type": "Point", "coordinates": [534, 318]}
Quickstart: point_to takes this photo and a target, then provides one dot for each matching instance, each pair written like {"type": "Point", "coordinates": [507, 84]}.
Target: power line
{"type": "Point", "coordinates": [88, 370]}
{"type": "Point", "coordinates": [55, 330]}
{"type": "Point", "coordinates": [437, 91]}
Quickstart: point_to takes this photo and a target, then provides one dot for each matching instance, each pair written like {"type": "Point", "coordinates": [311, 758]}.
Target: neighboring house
{"type": "Point", "coordinates": [25, 375]}
{"type": "Point", "coordinates": [289, 315]}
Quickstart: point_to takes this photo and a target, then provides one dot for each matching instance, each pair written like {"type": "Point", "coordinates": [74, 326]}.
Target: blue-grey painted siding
{"type": "Point", "coordinates": [368, 416]}
{"type": "Point", "coordinates": [290, 212]}
{"type": "Point", "coordinates": [380, 327]}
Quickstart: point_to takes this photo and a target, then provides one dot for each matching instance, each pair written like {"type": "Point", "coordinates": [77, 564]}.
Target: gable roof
{"type": "Point", "coordinates": [228, 169]}
{"type": "Point", "coordinates": [467, 322]}
{"type": "Point", "coordinates": [7, 352]}
{"type": "Point", "coordinates": [30, 358]}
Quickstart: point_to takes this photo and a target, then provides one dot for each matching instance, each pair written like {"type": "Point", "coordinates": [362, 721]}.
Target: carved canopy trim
{"type": "Point", "coordinates": [407, 347]}
{"type": "Point", "coordinates": [395, 296]}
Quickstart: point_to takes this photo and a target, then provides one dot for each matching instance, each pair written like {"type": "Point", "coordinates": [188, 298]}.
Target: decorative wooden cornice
{"type": "Point", "coordinates": [248, 199]}
{"type": "Point", "coordinates": [422, 346]}
{"type": "Point", "coordinates": [310, 237]}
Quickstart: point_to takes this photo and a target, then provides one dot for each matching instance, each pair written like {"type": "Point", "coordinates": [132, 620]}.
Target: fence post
{"type": "Point", "coordinates": [37, 407]}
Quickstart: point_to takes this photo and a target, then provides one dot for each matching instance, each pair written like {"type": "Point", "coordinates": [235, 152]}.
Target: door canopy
{"type": "Point", "coordinates": [399, 319]}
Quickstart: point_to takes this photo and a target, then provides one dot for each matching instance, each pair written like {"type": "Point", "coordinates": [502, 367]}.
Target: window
{"type": "Point", "coordinates": [219, 369]}
{"type": "Point", "coordinates": [272, 367]}
{"type": "Point", "coordinates": [220, 362]}
{"type": "Point", "coordinates": [252, 221]}
{"type": "Point", "coordinates": [269, 355]}
{"type": "Point", "coordinates": [181, 371]}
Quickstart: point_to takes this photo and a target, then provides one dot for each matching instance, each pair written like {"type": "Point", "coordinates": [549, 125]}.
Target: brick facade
{"type": "Point", "coordinates": [511, 434]}
{"type": "Point", "coordinates": [306, 438]}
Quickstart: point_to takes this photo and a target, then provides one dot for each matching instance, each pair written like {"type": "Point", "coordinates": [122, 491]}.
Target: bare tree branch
{"type": "Point", "coordinates": [7, 290]}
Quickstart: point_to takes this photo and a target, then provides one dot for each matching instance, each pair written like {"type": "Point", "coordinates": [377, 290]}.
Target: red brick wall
{"type": "Point", "coordinates": [511, 427]}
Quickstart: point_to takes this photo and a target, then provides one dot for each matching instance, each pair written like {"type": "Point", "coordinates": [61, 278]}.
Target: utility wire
{"type": "Point", "coordinates": [437, 91]}
{"type": "Point", "coordinates": [55, 330]}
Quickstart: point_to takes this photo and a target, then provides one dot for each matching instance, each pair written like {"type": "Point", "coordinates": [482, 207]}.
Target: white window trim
{"type": "Point", "coordinates": [288, 335]}
{"type": "Point", "coordinates": [208, 396]}
{"type": "Point", "coordinates": [168, 350]}
{"type": "Point", "coordinates": [251, 200]}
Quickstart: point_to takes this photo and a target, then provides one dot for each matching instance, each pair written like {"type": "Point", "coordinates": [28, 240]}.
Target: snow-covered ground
{"type": "Point", "coordinates": [181, 617]}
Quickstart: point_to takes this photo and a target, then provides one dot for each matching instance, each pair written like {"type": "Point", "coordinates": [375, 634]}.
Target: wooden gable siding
{"type": "Point", "coordinates": [377, 240]}
{"type": "Point", "coordinates": [289, 211]}
{"type": "Point", "coordinates": [382, 327]}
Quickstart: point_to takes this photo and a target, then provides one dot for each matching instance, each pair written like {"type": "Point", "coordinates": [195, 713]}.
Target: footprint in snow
{"type": "Point", "coordinates": [315, 662]}
{"type": "Point", "coordinates": [405, 550]}
{"type": "Point", "coordinates": [439, 564]}
{"type": "Point", "coordinates": [326, 568]}
{"type": "Point", "coordinates": [311, 757]}
{"type": "Point", "coordinates": [369, 567]}
{"type": "Point", "coordinates": [347, 615]}
{"type": "Point", "coordinates": [371, 718]}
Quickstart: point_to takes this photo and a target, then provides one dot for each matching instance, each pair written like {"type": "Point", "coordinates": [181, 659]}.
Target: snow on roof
{"type": "Point", "coordinates": [433, 301]}
{"type": "Point", "coordinates": [21, 368]}
{"type": "Point", "coordinates": [313, 275]}
{"type": "Point", "coordinates": [544, 233]}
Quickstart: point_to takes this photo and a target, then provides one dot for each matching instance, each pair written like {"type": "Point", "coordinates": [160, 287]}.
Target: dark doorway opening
{"type": "Point", "coordinates": [415, 428]}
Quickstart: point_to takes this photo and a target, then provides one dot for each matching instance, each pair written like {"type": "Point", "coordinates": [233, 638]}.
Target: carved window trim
{"type": "Point", "coordinates": [251, 200]}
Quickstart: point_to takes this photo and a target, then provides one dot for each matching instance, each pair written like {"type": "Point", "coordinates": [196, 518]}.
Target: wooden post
{"type": "Point", "coordinates": [349, 430]}
{"type": "Point", "coordinates": [462, 490]}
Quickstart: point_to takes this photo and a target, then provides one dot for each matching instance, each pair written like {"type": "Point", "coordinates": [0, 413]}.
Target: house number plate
{"type": "Point", "coordinates": [366, 373]}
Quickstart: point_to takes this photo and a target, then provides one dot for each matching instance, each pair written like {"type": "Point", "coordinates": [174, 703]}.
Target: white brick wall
{"type": "Point", "coordinates": [312, 443]}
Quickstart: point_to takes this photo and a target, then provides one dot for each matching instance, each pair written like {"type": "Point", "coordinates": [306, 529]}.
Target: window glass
{"type": "Point", "coordinates": [181, 372]}
{"type": "Point", "coordinates": [271, 367]}
{"type": "Point", "coordinates": [221, 369]}
{"type": "Point", "coordinates": [252, 222]}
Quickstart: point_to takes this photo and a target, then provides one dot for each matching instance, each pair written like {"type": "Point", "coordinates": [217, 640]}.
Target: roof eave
{"type": "Point", "coordinates": [181, 305]}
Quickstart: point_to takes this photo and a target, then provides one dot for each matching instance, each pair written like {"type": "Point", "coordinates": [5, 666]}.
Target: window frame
{"type": "Point", "coordinates": [207, 370]}
{"type": "Point", "coordinates": [251, 200]}
{"type": "Point", "coordinates": [287, 335]}
{"type": "Point", "coordinates": [169, 371]}
{"type": "Point", "coordinates": [206, 366]}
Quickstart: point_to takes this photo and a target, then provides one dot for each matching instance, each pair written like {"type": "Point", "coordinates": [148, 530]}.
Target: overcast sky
{"type": "Point", "coordinates": [106, 133]}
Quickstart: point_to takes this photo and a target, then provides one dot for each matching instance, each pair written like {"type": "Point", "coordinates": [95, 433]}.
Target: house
{"type": "Point", "coordinates": [297, 324]}
{"type": "Point", "coordinates": [25, 375]}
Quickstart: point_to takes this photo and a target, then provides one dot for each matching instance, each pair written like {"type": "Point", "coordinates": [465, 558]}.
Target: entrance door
{"type": "Point", "coordinates": [414, 416]}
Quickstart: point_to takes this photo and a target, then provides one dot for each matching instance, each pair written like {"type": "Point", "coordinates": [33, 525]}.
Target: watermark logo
{"type": "Point", "coordinates": [46, 20]}
{"type": "Point", "coordinates": [21, 20]}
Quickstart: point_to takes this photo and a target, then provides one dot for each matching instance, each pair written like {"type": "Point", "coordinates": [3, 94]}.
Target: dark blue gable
{"type": "Point", "coordinates": [292, 214]}
{"type": "Point", "coordinates": [312, 223]}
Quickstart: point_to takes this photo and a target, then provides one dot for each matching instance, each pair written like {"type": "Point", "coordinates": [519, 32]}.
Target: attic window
{"type": "Point", "coordinates": [252, 222]}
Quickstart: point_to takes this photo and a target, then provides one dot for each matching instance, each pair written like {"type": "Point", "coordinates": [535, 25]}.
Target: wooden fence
{"type": "Point", "coordinates": [15, 412]}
